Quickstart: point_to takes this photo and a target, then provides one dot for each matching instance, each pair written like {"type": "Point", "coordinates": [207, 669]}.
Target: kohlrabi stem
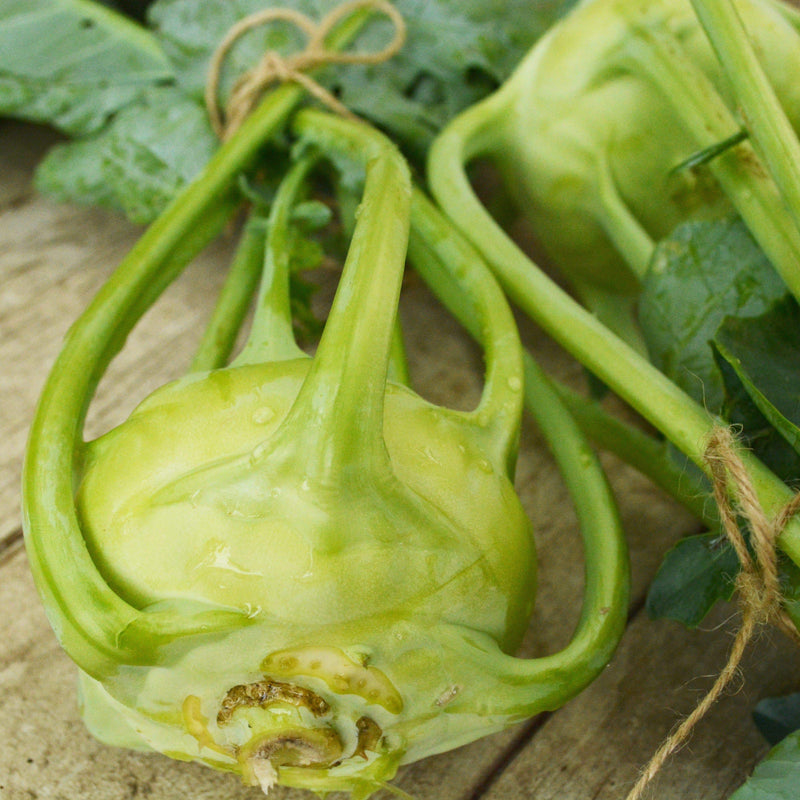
{"type": "Point", "coordinates": [271, 336]}
{"type": "Point", "coordinates": [764, 118]}
{"type": "Point", "coordinates": [398, 360]}
{"type": "Point", "coordinates": [527, 686]}
{"type": "Point", "coordinates": [739, 171]}
{"type": "Point", "coordinates": [605, 600]}
{"type": "Point", "coordinates": [456, 273]}
{"type": "Point", "coordinates": [97, 628]}
{"type": "Point", "coordinates": [219, 337]}
{"type": "Point", "coordinates": [343, 395]}
{"type": "Point", "coordinates": [625, 371]}
{"type": "Point", "coordinates": [461, 279]}
{"type": "Point", "coordinates": [621, 226]}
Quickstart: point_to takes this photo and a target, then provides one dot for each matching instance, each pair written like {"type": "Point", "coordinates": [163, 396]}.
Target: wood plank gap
{"type": "Point", "coordinates": [11, 545]}
{"type": "Point", "coordinates": [530, 728]}
{"type": "Point", "coordinates": [527, 731]}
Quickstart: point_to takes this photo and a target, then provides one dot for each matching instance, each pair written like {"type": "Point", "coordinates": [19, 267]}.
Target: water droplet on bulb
{"type": "Point", "coordinates": [263, 415]}
{"type": "Point", "coordinates": [259, 451]}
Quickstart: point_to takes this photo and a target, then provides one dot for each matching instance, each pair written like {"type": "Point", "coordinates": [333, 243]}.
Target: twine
{"type": "Point", "coordinates": [758, 582]}
{"type": "Point", "coordinates": [275, 68]}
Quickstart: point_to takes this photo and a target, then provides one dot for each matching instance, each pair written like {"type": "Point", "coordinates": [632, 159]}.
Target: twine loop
{"type": "Point", "coordinates": [757, 584]}
{"type": "Point", "coordinates": [273, 67]}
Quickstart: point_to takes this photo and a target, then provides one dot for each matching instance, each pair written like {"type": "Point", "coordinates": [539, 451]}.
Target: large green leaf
{"type": "Point", "coordinates": [777, 777]}
{"type": "Point", "coordinates": [777, 717]}
{"type": "Point", "coordinates": [695, 574]}
{"type": "Point", "coordinates": [701, 274]}
{"type": "Point", "coordinates": [764, 352]}
{"type": "Point", "coordinates": [138, 163]}
{"type": "Point", "coordinates": [456, 51]}
{"type": "Point", "coordinates": [73, 63]}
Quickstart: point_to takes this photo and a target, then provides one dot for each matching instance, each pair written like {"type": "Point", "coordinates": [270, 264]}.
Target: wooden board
{"type": "Point", "coordinates": [52, 259]}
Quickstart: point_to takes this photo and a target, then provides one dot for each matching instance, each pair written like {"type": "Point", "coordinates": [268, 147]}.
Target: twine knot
{"type": "Point", "coordinates": [757, 584]}
{"type": "Point", "coordinates": [273, 67]}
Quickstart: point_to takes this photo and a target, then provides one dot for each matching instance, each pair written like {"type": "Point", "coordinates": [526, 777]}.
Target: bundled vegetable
{"type": "Point", "coordinates": [290, 567]}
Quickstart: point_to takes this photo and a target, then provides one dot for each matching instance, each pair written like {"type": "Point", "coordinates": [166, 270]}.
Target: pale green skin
{"type": "Point", "coordinates": [592, 124]}
{"type": "Point", "coordinates": [189, 501]}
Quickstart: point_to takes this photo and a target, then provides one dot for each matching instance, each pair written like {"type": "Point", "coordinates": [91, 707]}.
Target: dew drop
{"type": "Point", "coordinates": [263, 415]}
{"type": "Point", "coordinates": [259, 451]}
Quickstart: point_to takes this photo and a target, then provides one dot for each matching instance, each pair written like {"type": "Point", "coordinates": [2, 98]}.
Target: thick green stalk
{"type": "Point", "coordinates": [625, 231]}
{"type": "Point", "coordinates": [226, 320]}
{"type": "Point", "coordinates": [765, 120]}
{"type": "Point", "coordinates": [271, 336]}
{"type": "Point", "coordinates": [528, 686]}
{"type": "Point", "coordinates": [685, 423]}
{"type": "Point", "coordinates": [341, 402]}
{"type": "Point", "coordinates": [455, 272]}
{"type": "Point", "coordinates": [398, 359]}
{"type": "Point", "coordinates": [462, 281]}
{"type": "Point", "coordinates": [739, 171]}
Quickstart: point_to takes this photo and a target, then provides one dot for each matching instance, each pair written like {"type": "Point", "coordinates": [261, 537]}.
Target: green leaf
{"type": "Point", "coordinates": [456, 52]}
{"type": "Point", "coordinates": [701, 274]}
{"type": "Point", "coordinates": [755, 430]}
{"type": "Point", "coordinates": [777, 776]}
{"type": "Point", "coordinates": [777, 717]}
{"type": "Point", "coordinates": [695, 574]}
{"type": "Point", "coordinates": [138, 163]}
{"type": "Point", "coordinates": [765, 354]}
{"type": "Point", "coordinates": [138, 158]}
{"type": "Point", "coordinates": [73, 63]}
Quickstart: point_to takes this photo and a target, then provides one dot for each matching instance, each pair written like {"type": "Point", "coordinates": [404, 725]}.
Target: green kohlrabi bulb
{"type": "Point", "coordinates": [343, 572]}
{"type": "Point", "coordinates": [349, 524]}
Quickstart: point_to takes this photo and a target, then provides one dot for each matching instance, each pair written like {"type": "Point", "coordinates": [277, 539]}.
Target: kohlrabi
{"type": "Point", "coordinates": [594, 123]}
{"type": "Point", "coordinates": [625, 120]}
{"type": "Point", "coordinates": [291, 567]}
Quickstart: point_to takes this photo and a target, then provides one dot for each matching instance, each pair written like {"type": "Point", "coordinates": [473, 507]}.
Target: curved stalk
{"type": "Point", "coordinates": [621, 226]}
{"type": "Point", "coordinates": [398, 360]}
{"type": "Point", "coordinates": [341, 401]}
{"type": "Point", "coordinates": [522, 687]}
{"type": "Point", "coordinates": [461, 279]}
{"type": "Point", "coordinates": [454, 271]}
{"type": "Point", "coordinates": [219, 336]}
{"type": "Point", "coordinates": [271, 336]}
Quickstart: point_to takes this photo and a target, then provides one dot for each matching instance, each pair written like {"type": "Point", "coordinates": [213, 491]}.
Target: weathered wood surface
{"type": "Point", "coordinates": [52, 258]}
